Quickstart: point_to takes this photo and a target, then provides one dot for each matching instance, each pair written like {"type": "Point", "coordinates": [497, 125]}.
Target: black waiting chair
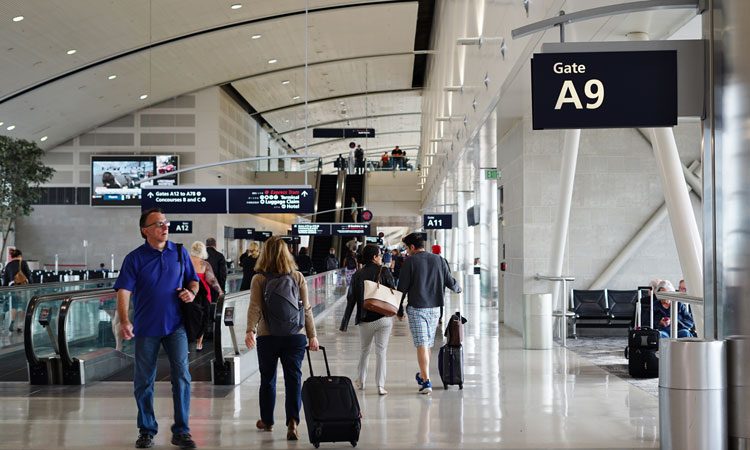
{"type": "Point", "coordinates": [590, 308]}
{"type": "Point", "coordinates": [622, 305]}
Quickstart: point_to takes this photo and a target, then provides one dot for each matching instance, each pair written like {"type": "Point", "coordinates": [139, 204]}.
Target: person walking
{"type": "Point", "coordinates": [218, 265]}
{"type": "Point", "coordinates": [247, 262]}
{"type": "Point", "coordinates": [208, 282]}
{"type": "Point", "coordinates": [276, 284]}
{"type": "Point", "coordinates": [373, 327]}
{"type": "Point", "coordinates": [423, 277]}
{"type": "Point", "coordinates": [160, 274]}
{"type": "Point", "coordinates": [16, 273]}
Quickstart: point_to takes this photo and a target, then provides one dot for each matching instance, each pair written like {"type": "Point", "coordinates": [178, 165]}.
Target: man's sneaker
{"type": "Point", "coordinates": [426, 388]}
{"type": "Point", "coordinates": [144, 441]}
{"type": "Point", "coordinates": [183, 440]}
{"type": "Point", "coordinates": [419, 379]}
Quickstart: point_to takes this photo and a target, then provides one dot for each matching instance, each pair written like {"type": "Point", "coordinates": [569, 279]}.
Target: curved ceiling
{"type": "Point", "coordinates": [360, 55]}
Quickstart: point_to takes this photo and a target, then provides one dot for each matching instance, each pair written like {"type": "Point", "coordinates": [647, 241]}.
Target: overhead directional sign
{"type": "Point", "coordinates": [244, 233]}
{"type": "Point", "coordinates": [438, 221]}
{"type": "Point", "coordinates": [311, 229]}
{"type": "Point", "coordinates": [272, 199]}
{"type": "Point", "coordinates": [196, 200]}
{"type": "Point", "coordinates": [350, 229]}
{"type": "Point", "coordinates": [374, 240]}
{"type": "Point", "coordinates": [343, 133]}
{"type": "Point", "coordinates": [262, 236]}
{"type": "Point", "coordinates": [604, 89]}
{"type": "Point", "coordinates": [180, 227]}
{"type": "Point", "coordinates": [291, 239]}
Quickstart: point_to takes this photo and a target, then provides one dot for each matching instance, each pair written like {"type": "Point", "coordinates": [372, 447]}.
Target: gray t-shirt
{"type": "Point", "coordinates": [424, 277]}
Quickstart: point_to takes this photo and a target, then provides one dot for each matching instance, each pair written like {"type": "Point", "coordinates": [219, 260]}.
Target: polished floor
{"type": "Point", "coordinates": [512, 399]}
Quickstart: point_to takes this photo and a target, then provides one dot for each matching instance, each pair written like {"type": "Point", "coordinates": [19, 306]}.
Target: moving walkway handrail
{"type": "Point", "coordinates": [62, 320]}
{"type": "Point", "coordinates": [26, 287]}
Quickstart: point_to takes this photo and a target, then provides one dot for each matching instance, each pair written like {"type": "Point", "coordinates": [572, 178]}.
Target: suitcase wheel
{"type": "Point", "coordinates": [461, 386]}
{"type": "Point", "coordinates": [354, 443]}
{"type": "Point", "coordinates": [316, 444]}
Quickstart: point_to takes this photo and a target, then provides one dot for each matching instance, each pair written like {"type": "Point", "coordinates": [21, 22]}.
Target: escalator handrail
{"type": "Point", "coordinates": [26, 287]}
{"type": "Point", "coordinates": [62, 320]}
{"type": "Point", "coordinates": [28, 343]}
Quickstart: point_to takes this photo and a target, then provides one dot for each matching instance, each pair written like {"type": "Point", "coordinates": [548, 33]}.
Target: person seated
{"type": "Point", "coordinates": [662, 314]}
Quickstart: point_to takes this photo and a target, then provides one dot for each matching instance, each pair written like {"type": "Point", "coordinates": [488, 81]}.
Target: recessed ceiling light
{"type": "Point", "coordinates": [17, 18]}
{"type": "Point", "coordinates": [11, 128]}
{"type": "Point", "coordinates": [296, 97]}
{"type": "Point", "coordinates": [112, 77]}
{"type": "Point", "coordinates": [1, 123]}
{"type": "Point", "coordinates": [44, 138]}
{"type": "Point", "coordinates": [144, 96]}
{"type": "Point", "coordinates": [256, 36]}
{"type": "Point", "coordinates": [236, 6]}
{"type": "Point", "coordinates": [71, 52]}
{"type": "Point", "coordinates": [286, 121]}
{"type": "Point", "coordinates": [285, 82]}
{"type": "Point", "coordinates": [273, 61]}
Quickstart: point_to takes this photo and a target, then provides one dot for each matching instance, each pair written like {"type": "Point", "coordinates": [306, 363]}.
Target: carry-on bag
{"type": "Point", "coordinates": [331, 407]}
{"type": "Point", "coordinates": [451, 365]}
{"type": "Point", "coordinates": [380, 298]}
{"type": "Point", "coordinates": [643, 345]}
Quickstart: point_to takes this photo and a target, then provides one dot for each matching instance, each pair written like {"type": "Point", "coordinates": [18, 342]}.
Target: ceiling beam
{"type": "Point", "coordinates": [340, 97]}
{"type": "Point", "coordinates": [348, 119]}
{"type": "Point", "coordinates": [349, 139]}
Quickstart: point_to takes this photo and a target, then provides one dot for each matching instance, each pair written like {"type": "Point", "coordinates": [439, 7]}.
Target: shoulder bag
{"type": "Point", "coordinates": [381, 299]}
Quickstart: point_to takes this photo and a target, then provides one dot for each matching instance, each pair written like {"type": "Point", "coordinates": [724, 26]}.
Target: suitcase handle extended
{"type": "Point", "coordinates": [325, 357]}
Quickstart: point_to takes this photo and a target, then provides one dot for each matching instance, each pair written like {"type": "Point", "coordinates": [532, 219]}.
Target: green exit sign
{"type": "Point", "coordinates": [491, 174]}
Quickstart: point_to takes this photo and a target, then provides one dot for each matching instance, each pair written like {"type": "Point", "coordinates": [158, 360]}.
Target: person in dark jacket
{"type": "Point", "coordinates": [15, 265]}
{"type": "Point", "coordinates": [247, 262]}
{"type": "Point", "coordinates": [663, 311]}
{"type": "Point", "coordinates": [331, 262]}
{"type": "Point", "coordinates": [218, 265]}
{"type": "Point", "coordinates": [373, 327]}
{"type": "Point", "coordinates": [304, 263]}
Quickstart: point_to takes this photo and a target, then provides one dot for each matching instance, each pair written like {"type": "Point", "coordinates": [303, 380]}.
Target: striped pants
{"type": "Point", "coordinates": [379, 333]}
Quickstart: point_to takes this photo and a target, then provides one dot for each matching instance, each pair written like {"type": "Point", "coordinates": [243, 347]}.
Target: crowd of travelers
{"type": "Point", "coordinates": [356, 162]}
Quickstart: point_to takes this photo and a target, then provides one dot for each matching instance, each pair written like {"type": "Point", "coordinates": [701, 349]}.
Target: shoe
{"type": "Point", "coordinates": [183, 440]}
{"type": "Point", "coordinates": [144, 441]}
{"type": "Point", "coordinates": [419, 379]}
{"type": "Point", "coordinates": [292, 434]}
{"type": "Point", "coordinates": [382, 391]}
{"type": "Point", "coordinates": [426, 388]}
{"type": "Point", "coordinates": [262, 425]}
{"type": "Point", "coordinates": [358, 384]}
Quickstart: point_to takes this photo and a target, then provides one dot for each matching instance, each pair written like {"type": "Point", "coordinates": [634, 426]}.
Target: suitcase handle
{"type": "Point", "coordinates": [325, 357]}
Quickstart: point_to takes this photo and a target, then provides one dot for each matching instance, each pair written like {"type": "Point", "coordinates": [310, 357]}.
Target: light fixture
{"type": "Point", "coordinates": [112, 77]}
{"type": "Point", "coordinates": [144, 97]}
{"type": "Point", "coordinates": [43, 138]}
{"type": "Point", "coordinates": [236, 6]}
{"type": "Point", "coordinates": [440, 140]}
{"type": "Point", "coordinates": [448, 118]}
{"type": "Point", "coordinates": [1, 123]}
{"type": "Point", "coordinates": [11, 128]}
{"type": "Point", "coordinates": [454, 89]}
{"type": "Point", "coordinates": [285, 82]}
{"type": "Point", "coordinates": [71, 52]}
{"type": "Point", "coordinates": [17, 18]}
{"type": "Point", "coordinates": [273, 61]}
{"type": "Point", "coordinates": [296, 97]}
{"type": "Point", "coordinates": [256, 36]}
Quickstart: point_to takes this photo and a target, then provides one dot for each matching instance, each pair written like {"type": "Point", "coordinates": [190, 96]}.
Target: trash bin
{"type": "Point", "coordinates": [537, 321]}
{"type": "Point", "coordinates": [692, 394]}
{"type": "Point", "coordinates": [738, 381]}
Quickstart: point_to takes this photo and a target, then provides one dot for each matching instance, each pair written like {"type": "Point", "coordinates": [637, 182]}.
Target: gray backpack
{"type": "Point", "coordinates": [282, 306]}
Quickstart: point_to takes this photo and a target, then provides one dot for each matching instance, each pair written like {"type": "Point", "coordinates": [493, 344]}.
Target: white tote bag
{"type": "Point", "coordinates": [381, 299]}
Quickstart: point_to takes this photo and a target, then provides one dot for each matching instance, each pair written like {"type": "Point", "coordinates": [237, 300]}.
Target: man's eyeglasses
{"type": "Point", "coordinates": [158, 224]}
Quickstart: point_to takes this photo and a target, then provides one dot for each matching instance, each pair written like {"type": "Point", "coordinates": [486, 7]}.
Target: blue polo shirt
{"type": "Point", "coordinates": [153, 277]}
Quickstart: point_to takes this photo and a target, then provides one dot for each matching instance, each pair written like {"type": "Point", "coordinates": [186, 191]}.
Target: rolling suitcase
{"type": "Point", "coordinates": [451, 365]}
{"type": "Point", "coordinates": [643, 345]}
{"type": "Point", "coordinates": [331, 407]}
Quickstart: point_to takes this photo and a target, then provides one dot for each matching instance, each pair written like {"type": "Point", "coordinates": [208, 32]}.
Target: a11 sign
{"type": "Point", "coordinates": [437, 221]}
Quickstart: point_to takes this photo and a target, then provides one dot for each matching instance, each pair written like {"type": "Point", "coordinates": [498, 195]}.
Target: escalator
{"type": "Point", "coordinates": [353, 187]}
{"type": "Point", "coordinates": [328, 194]}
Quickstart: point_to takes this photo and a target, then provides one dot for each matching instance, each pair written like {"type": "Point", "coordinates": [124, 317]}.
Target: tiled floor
{"type": "Point", "coordinates": [513, 398]}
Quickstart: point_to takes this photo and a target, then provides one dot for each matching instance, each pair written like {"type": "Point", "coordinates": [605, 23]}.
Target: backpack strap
{"type": "Point", "coordinates": [179, 260]}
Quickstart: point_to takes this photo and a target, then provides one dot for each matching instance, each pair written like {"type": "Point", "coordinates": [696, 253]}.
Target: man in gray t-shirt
{"type": "Point", "coordinates": [423, 278]}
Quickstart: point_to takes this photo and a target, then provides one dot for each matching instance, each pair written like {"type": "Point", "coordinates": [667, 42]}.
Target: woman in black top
{"type": "Point", "coordinates": [373, 327]}
{"type": "Point", "coordinates": [247, 262]}
{"type": "Point", "coordinates": [9, 276]}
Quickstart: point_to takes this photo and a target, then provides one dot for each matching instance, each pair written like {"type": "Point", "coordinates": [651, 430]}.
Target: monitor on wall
{"type": "Point", "coordinates": [115, 180]}
{"type": "Point", "coordinates": [166, 164]}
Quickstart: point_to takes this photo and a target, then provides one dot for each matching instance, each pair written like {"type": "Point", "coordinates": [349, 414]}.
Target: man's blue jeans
{"type": "Point", "coordinates": [291, 351]}
{"type": "Point", "coordinates": [146, 354]}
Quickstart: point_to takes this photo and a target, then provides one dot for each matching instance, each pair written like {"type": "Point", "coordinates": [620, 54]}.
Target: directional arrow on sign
{"type": "Point", "coordinates": [150, 195]}
{"type": "Point", "coordinates": [304, 193]}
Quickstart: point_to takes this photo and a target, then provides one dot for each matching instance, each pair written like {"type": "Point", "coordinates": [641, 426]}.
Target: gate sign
{"type": "Point", "coordinates": [604, 89]}
{"type": "Point", "coordinates": [437, 221]}
{"type": "Point", "coordinates": [244, 233]}
{"type": "Point", "coordinates": [350, 229]}
{"type": "Point", "coordinates": [180, 227]}
{"type": "Point", "coordinates": [311, 229]}
{"type": "Point", "coordinates": [196, 200]}
{"type": "Point", "coordinates": [273, 199]}
{"type": "Point", "coordinates": [262, 236]}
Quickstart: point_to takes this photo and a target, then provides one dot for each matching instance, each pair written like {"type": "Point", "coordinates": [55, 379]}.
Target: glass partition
{"type": "Point", "coordinates": [90, 324]}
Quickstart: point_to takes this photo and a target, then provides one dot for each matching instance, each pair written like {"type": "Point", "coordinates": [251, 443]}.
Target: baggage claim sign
{"type": "Point", "coordinates": [604, 89]}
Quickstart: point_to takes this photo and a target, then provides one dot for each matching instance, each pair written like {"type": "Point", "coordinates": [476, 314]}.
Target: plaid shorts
{"type": "Point", "coordinates": [423, 325]}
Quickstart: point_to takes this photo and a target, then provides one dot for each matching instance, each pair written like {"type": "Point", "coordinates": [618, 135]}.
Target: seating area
{"type": "Point", "coordinates": [604, 308]}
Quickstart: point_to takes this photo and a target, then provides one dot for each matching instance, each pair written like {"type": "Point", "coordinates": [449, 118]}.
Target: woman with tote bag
{"type": "Point", "coordinates": [374, 328]}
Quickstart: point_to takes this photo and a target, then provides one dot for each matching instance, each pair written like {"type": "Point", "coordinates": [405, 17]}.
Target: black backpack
{"type": "Point", "coordinates": [283, 310]}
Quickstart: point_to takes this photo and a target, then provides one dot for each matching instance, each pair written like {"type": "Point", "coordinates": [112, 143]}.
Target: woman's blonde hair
{"type": "Point", "coordinates": [275, 257]}
{"type": "Point", "coordinates": [254, 249]}
{"type": "Point", "coordinates": [198, 249]}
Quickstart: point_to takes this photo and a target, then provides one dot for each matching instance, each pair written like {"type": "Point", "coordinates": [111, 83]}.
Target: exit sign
{"type": "Point", "coordinates": [491, 174]}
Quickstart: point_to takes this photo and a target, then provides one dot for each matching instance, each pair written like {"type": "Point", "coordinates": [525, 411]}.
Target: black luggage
{"type": "Point", "coordinates": [331, 407]}
{"type": "Point", "coordinates": [643, 345]}
{"type": "Point", "coordinates": [451, 365]}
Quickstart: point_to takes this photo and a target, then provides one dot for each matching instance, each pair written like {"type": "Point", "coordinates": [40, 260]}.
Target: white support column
{"type": "Point", "coordinates": [681, 216]}
{"type": "Point", "coordinates": [560, 232]}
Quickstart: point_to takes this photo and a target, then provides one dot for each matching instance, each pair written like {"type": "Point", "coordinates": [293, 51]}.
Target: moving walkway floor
{"type": "Point", "coordinates": [513, 398]}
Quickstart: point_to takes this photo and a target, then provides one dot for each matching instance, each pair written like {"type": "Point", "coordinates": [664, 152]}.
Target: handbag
{"type": "Point", "coordinates": [381, 299]}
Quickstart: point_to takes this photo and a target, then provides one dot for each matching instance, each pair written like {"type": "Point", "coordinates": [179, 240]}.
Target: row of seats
{"type": "Point", "coordinates": [604, 308]}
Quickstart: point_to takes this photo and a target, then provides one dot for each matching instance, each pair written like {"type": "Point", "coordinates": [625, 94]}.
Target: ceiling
{"type": "Point", "coordinates": [362, 69]}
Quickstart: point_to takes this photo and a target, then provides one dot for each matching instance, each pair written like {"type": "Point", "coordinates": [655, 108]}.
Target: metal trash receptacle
{"type": "Point", "coordinates": [537, 321]}
{"type": "Point", "coordinates": [738, 389]}
{"type": "Point", "coordinates": [692, 394]}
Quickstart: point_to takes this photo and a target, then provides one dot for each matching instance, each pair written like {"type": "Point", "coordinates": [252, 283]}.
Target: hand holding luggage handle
{"type": "Point", "coordinates": [325, 357]}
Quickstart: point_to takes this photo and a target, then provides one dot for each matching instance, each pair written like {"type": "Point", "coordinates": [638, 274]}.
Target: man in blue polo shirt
{"type": "Point", "coordinates": [154, 275]}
